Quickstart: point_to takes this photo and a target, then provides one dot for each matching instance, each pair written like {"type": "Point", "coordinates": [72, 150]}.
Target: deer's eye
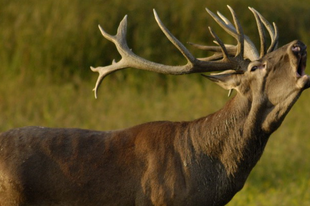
{"type": "Point", "coordinates": [254, 68]}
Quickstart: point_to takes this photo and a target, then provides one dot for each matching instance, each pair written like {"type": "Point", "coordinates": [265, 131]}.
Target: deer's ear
{"type": "Point", "coordinates": [227, 80]}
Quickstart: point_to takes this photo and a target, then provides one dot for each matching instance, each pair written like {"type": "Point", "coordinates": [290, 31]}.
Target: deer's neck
{"type": "Point", "coordinates": [233, 135]}
{"type": "Point", "coordinates": [237, 134]}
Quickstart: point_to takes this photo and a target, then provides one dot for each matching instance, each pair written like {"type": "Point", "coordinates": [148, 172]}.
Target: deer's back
{"type": "Point", "coordinates": [62, 166]}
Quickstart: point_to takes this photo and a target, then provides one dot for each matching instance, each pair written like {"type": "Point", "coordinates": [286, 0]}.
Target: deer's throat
{"type": "Point", "coordinates": [233, 137]}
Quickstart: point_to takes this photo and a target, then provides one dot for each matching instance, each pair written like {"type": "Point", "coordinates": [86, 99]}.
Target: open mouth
{"type": "Point", "coordinates": [300, 52]}
{"type": "Point", "coordinates": [301, 65]}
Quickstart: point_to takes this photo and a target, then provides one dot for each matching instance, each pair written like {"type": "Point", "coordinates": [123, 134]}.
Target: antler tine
{"type": "Point", "coordinates": [230, 48]}
{"type": "Point", "coordinates": [240, 46]}
{"type": "Point", "coordinates": [222, 46]}
{"type": "Point", "coordinates": [227, 22]}
{"type": "Point", "coordinates": [218, 51]}
{"type": "Point", "coordinates": [174, 40]}
{"type": "Point", "coordinates": [274, 44]}
{"type": "Point", "coordinates": [272, 30]}
{"type": "Point", "coordinates": [261, 32]}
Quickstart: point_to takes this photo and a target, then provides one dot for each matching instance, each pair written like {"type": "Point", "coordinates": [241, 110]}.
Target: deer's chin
{"type": "Point", "coordinates": [303, 82]}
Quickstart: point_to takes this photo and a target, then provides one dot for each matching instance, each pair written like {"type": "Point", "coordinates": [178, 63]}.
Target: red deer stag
{"type": "Point", "coordinates": [201, 162]}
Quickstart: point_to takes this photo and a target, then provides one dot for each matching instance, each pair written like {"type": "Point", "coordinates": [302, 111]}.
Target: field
{"type": "Point", "coordinates": [48, 46]}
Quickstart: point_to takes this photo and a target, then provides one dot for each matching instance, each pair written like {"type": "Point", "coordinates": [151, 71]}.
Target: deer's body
{"type": "Point", "coordinates": [161, 163]}
{"type": "Point", "coordinates": [202, 162]}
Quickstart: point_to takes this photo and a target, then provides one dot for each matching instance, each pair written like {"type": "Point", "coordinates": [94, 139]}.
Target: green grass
{"type": "Point", "coordinates": [48, 46]}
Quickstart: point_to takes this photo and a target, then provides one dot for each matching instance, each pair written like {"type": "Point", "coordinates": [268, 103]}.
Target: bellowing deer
{"type": "Point", "coordinates": [202, 162]}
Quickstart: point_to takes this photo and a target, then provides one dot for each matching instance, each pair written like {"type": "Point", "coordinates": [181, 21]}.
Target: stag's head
{"type": "Point", "coordinates": [286, 71]}
{"type": "Point", "coordinates": [274, 77]}
{"type": "Point", "coordinates": [272, 74]}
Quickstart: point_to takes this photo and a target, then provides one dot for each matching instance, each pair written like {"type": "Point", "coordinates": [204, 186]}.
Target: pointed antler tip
{"type": "Point", "coordinates": [231, 9]}
{"type": "Point", "coordinates": [211, 31]}
{"type": "Point", "coordinates": [124, 20]}
{"type": "Point", "coordinates": [209, 11]}
{"type": "Point", "coordinates": [95, 92]}
{"type": "Point", "coordinates": [93, 69]}
{"type": "Point", "coordinates": [253, 10]}
{"type": "Point", "coordinates": [101, 30]}
{"type": "Point", "coordinates": [229, 92]}
{"type": "Point", "coordinates": [155, 14]}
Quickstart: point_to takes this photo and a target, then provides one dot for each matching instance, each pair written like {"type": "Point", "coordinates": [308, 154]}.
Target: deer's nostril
{"type": "Point", "coordinates": [296, 48]}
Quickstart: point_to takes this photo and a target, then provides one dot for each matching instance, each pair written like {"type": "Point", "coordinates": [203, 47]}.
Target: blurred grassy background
{"type": "Point", "coordinates": [48, 46]}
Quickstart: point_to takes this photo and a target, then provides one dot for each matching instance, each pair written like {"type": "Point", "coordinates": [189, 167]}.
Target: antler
{"type": "Point", "coordinates": [226, 57]}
